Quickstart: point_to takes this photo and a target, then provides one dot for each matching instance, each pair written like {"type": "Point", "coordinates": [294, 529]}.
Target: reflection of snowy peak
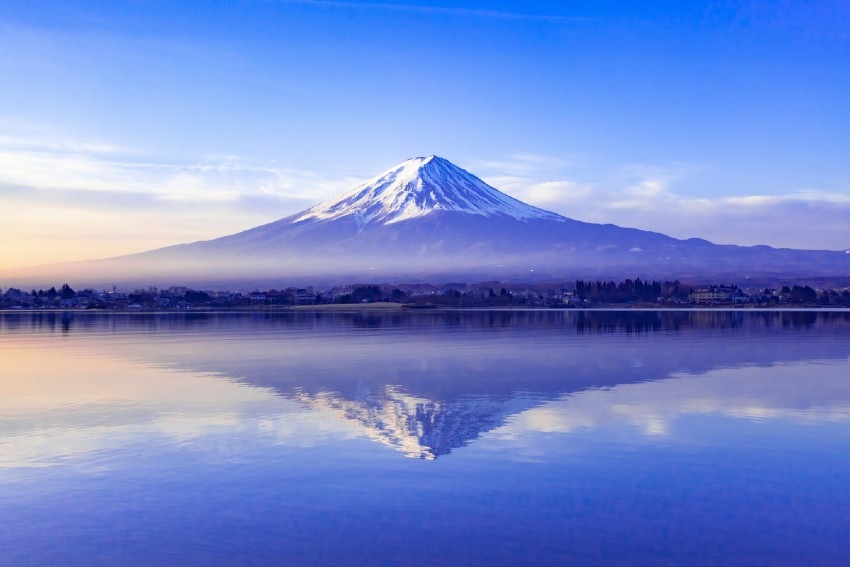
{"type": "Point", "coordinates": [419, 428]}
{"type": "Point", "coordinates": [418, 187]}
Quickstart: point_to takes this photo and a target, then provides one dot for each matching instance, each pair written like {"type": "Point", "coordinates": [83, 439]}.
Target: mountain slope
{"type": "Point", "coordinates": [428, 217]}
{"type": "Point", "coordinates": [419, 187]}
{"type": "Point", "coordinates": [421, 207]}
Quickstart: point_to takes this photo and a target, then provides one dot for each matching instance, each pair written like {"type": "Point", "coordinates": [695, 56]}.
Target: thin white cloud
{"type": "Point", "coordinates": [56, 166]}
{"type": "Point", "coordinates": [645, 197]}
{"type": "Point", "coordinates": [22, 143]}
{"type": "Point", "coordinates": [523, 163]}
{"type": "Point", "coordinates": [439, 10]}
{"type": "Point", "coordinates": [60, 198]}
{"type": "Point", "coordinates": [63, 200]}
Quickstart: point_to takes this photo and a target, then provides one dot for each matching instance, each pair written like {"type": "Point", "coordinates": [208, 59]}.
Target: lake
{"type": "Point", "coordinates": [425, 438]}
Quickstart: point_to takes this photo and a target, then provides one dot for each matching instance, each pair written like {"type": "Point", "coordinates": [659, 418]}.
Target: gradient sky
{"type": "Point", "coordinates": [126, 126]}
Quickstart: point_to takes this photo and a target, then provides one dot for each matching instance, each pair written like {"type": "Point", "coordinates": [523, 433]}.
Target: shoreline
{"type": "Point", "coordinates": [402, 308]}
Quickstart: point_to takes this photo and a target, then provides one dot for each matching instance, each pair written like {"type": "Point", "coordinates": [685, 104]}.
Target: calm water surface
{"type": "Point", "coordinates": [470, 438]}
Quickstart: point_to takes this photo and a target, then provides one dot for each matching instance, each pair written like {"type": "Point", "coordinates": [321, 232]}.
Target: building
{"type": "Point", "coordinates": [714, 295]}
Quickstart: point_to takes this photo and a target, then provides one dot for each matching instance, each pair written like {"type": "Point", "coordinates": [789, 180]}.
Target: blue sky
{"type": "Point", "coordinates": [130, 125]}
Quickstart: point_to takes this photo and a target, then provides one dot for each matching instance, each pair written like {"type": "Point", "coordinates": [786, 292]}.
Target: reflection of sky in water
{"type": "Point", "coordinates": [61, 400]}
{"type": "Point", "coordinates": [424, 391]}
{"type": "Point", "coordinates": [561, 421]}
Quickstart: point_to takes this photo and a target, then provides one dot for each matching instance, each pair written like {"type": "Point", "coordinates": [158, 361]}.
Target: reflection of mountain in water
{"type": "Point", "coordinates": [428, 383]}
{"type": "Point", "coordinates": [419, 427]}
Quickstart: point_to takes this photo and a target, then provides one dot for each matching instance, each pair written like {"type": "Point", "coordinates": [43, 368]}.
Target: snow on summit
{"type": "Point", "coordinates": [427, 216]}
{"type": "Point", "coordinates": [418, 187]}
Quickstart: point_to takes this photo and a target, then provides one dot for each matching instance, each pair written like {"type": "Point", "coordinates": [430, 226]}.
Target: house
{"type": "Point", "coordinates": [303, 297]}
{"type": "Point", "coordinates": [714, 295]}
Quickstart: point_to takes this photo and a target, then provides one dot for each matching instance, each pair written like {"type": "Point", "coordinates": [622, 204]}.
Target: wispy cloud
{"type": "Point", "coordinates": [65, 199]}
{"type": "Point", "coordinates": [439, 10]}
{"type": "Point", "coordinates": [59, 167]}
{"type": "Point", "coordinates": [646, 197]}
{"type": "Point", "coordinates": [524, 163]}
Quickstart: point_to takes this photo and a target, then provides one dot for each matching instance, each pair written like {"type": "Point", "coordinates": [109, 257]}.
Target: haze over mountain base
{"type": "Point", "coordinates": [429, 219]}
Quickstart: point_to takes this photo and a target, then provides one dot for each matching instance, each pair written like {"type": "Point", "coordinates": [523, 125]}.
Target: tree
{"type": "Point", "coordinates": [66, 292]}
{"type": "Point", "coordinates": [367, 293]}
{"type": "Point", "coordinates": [398, 296]}
{"type": "Point", "coordinates": [803, 294]}
{"type": "Point", "coordinates": [193, 296]}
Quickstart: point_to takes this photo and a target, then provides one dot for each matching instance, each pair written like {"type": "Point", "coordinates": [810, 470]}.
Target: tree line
{"type": "Point", "coordinates": [629, 291]}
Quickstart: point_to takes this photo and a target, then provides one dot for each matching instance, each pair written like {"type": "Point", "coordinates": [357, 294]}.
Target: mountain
{"type": "Point", "coordinates": [428, 217]}
{"type": "Point", "coordinates": [417, 188]}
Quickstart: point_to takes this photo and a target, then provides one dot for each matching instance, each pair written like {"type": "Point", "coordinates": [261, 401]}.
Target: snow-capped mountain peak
{"type": "Point", "coordinates": [421, 186]}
